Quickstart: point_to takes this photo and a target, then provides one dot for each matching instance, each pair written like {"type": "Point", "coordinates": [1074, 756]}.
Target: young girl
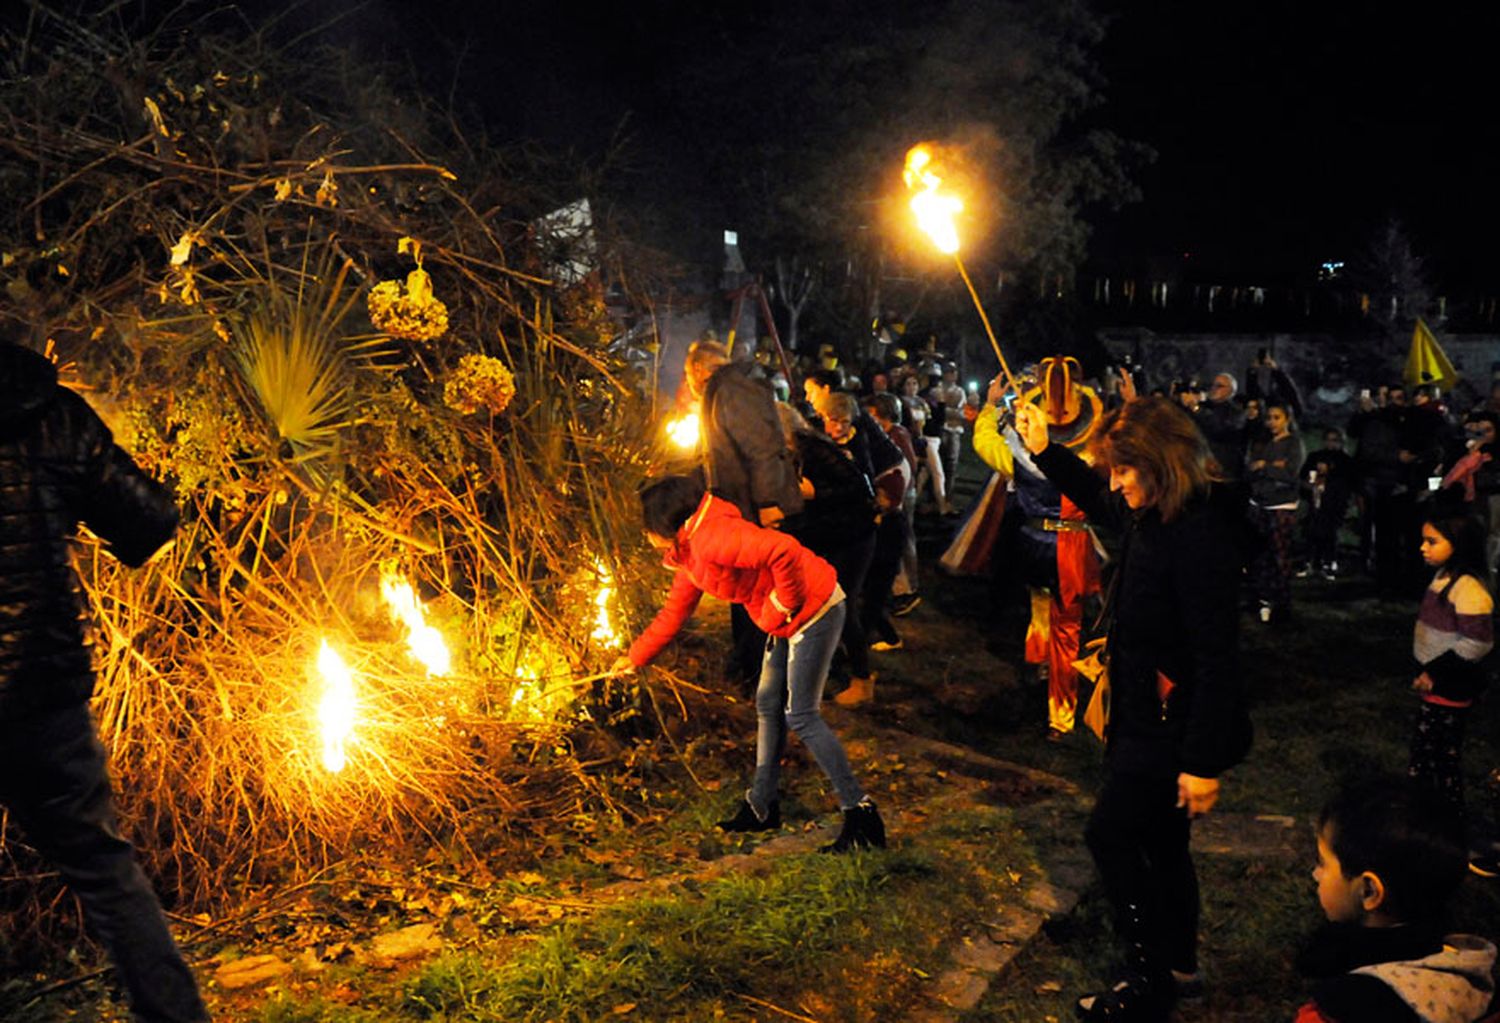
{"type": "Point", "coordinates": [1271, 472]}
{"type": "Point", "coordinates": [1454, 633]}
{"type": "Point", "coordinates": [794, 597]}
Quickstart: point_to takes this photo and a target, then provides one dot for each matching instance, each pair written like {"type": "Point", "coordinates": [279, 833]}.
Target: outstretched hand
{"type": "Point", "coordinates": [1127, 385]}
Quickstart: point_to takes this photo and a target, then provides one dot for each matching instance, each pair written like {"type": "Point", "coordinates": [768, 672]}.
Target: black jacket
{"type": "Point", "coordinates": [59, 466]}
{"type": "Point", "coordinates": [842, 509]}
{"type": "Point", "coordinates": [1175, 610]}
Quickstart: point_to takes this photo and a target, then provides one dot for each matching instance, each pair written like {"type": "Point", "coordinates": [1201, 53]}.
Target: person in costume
{"type": "Point", "coordinates": [1055, 553]}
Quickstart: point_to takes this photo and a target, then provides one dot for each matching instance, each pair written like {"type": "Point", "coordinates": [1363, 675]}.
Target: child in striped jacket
{"type": "Point", "coordinates": [1454, 634]}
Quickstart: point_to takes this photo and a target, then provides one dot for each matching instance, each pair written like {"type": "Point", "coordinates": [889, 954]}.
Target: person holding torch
{"type": "Point", "coordinates": [1178, 713]}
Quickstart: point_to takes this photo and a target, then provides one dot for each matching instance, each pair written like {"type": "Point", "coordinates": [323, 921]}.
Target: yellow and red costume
{"type": "Point", "coordinates": [1055, 553]}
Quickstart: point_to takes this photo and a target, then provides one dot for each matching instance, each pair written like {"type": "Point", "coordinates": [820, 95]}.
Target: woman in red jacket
{"type": "Point", "coordinates": [794, 597]}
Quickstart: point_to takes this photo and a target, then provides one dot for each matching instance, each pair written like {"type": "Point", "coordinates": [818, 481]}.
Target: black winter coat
{"type": "Point", "coordinates": [1175, 609]}
{"type": "Point", "coordinates": [59, 466]}
{"type": "Point", "coordinates": [842, 509]}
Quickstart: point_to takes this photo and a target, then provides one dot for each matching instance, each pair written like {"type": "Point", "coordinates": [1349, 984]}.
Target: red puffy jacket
{"type": "Point", "coordinates": [781, 583]}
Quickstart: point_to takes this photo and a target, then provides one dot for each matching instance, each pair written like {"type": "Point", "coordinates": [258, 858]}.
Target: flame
{"type": "Point", "coordinates": [423, 641]}
{"type": "Point", "coordinates": [934, 210]}
{"type": "Point", "coordinates": [604, 630]}
{"type": "Point", "coordinates": [684, 430]}
{"type": "Point", "coordinates": [336, 709]}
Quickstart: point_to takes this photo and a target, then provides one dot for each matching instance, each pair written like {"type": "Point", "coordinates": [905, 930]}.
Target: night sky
{"type": "Point", "coordinates": [1287, 133]}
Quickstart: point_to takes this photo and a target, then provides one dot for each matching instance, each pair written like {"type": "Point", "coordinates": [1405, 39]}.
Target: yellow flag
{"type": "Point", "coordinates": [1426, 363]}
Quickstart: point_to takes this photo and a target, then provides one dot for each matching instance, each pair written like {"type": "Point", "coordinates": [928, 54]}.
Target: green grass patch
{"type": "Point", "coordinates": [679, 955]}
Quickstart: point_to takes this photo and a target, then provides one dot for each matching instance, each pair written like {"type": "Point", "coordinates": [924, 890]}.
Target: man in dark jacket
{"type": "Point", "coordinates": [58, 467]}
{"type": "Point", "coordinates": [1222, 421]}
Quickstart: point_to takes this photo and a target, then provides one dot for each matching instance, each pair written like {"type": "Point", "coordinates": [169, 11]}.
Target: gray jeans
{"type": "Point", "coordinates": [791, 697]}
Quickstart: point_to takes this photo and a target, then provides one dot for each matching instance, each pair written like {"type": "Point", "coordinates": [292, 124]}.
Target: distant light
{"type": "Point", "coordinates": [1330, 270]}
{"type": "Point", "coordinates": [974, 385]}
{"type": "Point", "coordinates": [731, 237]}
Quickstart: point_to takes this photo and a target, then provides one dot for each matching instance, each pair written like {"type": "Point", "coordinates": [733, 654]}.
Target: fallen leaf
{"type": "Point", "coordinates": [1049, 987]}
{"type": "Point", "coordinates": [407, 943]}
{"type": "Point", "coordinates": [623, 1008]}
{"type": "Point", "coordinates": [183, 250]}
{"type": "Point", "coordinates": [250, 970]}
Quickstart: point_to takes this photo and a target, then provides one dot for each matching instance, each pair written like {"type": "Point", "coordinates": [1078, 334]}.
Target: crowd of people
{"type": "Point", "coordinates": [1155, 513]}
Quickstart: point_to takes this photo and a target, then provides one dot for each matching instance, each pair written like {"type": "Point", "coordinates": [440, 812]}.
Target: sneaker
{"type": "Point", "coordinates": [905, 604]}
{"type": "Point", "coordinates": [1056, 735]}
{"type": "Point", "coordinates": [746, 819]}
{"type": "Point", "coordinates": [883, 645]}
{"type": "Point", "coordinates": [1485, 864]}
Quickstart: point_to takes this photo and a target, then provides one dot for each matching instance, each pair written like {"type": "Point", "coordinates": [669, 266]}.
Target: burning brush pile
{"type": "Point", "coordinates": [400, 442]}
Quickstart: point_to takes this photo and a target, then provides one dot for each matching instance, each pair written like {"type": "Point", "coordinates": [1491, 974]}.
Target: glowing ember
{"type": "Point", "coordinates": [934, 210]}
{"type": "Point", "coordinates": [684, 430]}
{"type": "Point", "coordinates": [423, 641]}
{"type": "Point", "coordinates": [604, 631]}
{"type": "Point", "coordinates": [336, 709]}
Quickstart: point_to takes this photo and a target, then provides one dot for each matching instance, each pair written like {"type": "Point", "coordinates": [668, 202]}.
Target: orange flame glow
{"type": "Point", "coordinates": [604, 631]}
{"type": "Point", "coordinates": [934, 210]}
{"type": "Point", "coordinates": [424, 642]}
{"type": "Point", "coordinates": [336, 710]}
{"type": "Point", "coordinates": [684, 430]}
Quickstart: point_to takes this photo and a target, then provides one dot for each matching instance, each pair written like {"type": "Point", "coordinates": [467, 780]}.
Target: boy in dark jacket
{"type": "Point", "coordinates": [59, 466]}
{"type": "Point", "coordinates": [1388, 859]}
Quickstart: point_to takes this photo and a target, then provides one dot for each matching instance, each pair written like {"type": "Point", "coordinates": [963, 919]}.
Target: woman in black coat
{"type": "Point", "coordinates": [1178, 714]}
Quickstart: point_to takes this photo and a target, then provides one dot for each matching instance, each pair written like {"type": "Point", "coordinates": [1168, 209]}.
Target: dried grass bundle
{"type": "Point", "coordinates": [200, 242]}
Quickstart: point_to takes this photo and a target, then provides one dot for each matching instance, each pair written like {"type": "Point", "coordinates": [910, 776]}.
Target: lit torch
{"type": "Point", "coordinates": [424, 642]}
{"type": "Point", "coordinates": [336, 709]}
{"type": "Point", "coordinates": [935, 211]}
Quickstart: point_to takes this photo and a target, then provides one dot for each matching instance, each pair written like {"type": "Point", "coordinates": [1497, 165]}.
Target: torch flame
{"type": "Point", "coordinates": [934, 210]}
{"type": "Point", "coordinates": [684, 430]}
{"type": "Point", "coordinates": [423, 641]}
{"type": "Point", "coordinates": [336, 709]}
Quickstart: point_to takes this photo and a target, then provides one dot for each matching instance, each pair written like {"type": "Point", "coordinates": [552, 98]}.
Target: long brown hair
{"type": "Point", "coordinates": [1159, 440]}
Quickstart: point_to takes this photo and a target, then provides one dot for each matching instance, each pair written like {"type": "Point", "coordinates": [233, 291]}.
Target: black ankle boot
{"type": "Point", "coordinates": [1144, 992]}
{"type": "Point", "coordinates": [745, 819]}
{"type": "Point", "coordinates": [1134, 998]}
{"type": "Point", "coordinates": [862, 829]}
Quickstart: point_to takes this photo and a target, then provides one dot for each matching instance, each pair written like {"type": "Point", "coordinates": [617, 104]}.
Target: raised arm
{"type": "Point", "coordinates": [1069, 473]}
